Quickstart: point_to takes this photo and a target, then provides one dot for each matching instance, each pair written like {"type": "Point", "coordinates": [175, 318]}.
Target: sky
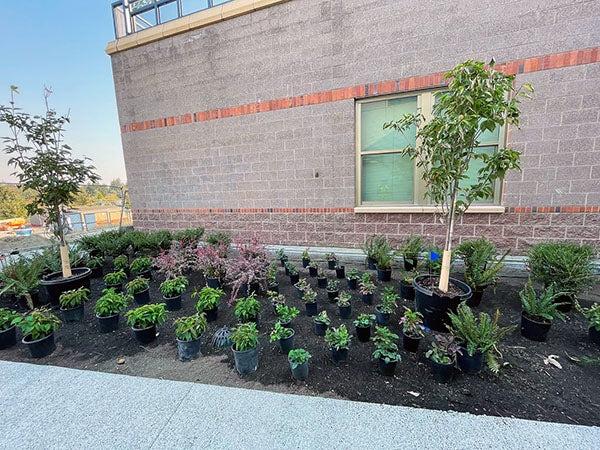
{"type": "Point", "coordinates": [60, 43]}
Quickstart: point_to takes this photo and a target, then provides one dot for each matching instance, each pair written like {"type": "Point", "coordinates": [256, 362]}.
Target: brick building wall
{"type": "Point", "coordinates": [248, 125]}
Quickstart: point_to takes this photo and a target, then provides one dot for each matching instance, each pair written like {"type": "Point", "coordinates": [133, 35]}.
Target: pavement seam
{"type": "Point", "coordinates": [183, 397]}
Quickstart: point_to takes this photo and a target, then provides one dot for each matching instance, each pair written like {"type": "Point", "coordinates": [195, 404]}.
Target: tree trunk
{"type": "Point", "coordinates": [65, 261]}
{"type": "Point", "coordinates": [447, 256]}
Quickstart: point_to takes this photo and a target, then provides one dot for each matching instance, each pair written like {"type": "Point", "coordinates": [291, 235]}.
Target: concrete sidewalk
{"type": "Point", "coordinates": [53, 407]}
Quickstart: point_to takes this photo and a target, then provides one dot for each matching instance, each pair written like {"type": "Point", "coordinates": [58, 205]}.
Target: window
{"type": "Point", "coordinates": [385, 179]}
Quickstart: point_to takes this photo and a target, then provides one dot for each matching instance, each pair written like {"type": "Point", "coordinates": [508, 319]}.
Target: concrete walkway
{"type": "Point", "coordinates": [52, 407]}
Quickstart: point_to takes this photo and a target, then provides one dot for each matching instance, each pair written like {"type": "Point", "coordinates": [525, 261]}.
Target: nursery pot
{"type": "Point", "coordinates": [594, 335]}
{"type": "Point", "coordinates": [287, 324]}
{"type": "Point", "coordinates": [273, 287]}
{"type": "Point", "coordinates": [407, 291]}
{"type": "Point", "coordinates": [410, 343]}
{"type": "Point", "coordinates": [42, 347]}
{"type": "Point", "coordinates": [320, 328]}
{"type": "Point", "coordinates": [97, 272]}
{"type": "Point", "coordinates": [8, 337]}
{"type": "Point", "coordinates": [363, 334]}
{"type": "Point", "coordinates": [214, 283]}
{"type": "Point", "coordinates": [287, 344]}
{"type": "Point", "coordinates": [37, 299]}
{"type": "Point", "coordinates": [212, 314]}
{"type": "Point", "coordinates": [311, 309]}
{"type": "Point", "coordinates": [117, 287]}
{"type": "Point", "coordinates": [340, 272]}
{"type": "Point", "coordinates": [255, 287]}
{"type": "Point", "coordinates": [475, 299]}
{"type": "Point", "coordinates": [73, 314]}
{"type": "Point", "coordinates": [55, 284]}
{"type": "Point", "coordinates": [173, 303]}
{"type": "Point", "coordinates": [332, 295]}
{"type": "Point", "coordinates": [142, 298]}
{"type": "Point", "coordinates": [345, 311]}
{"type": "Point", "coordinates": [188, 350]}
{"type": "Point", "coordinates": [470, 364]}
{"type": "Point", "coordinates": [300, 372]}
{"type": "Point", "coordinates": [147, 274]}
{"type": "Point", "coordinates": [145, 335]}
{"type": "Point", "coordinates": [299, 292]}
{"type": "Point", "coordinates": [442, 373]}
{"type": "Point", "coordinates": [247, 361]}
{"type": "Point", "coordinates": [287, 271]}
{"type": "Point", "coordinates": [294, 278]}
{"type": "Point", "coordinates": [322, 282]}
{"type": "Point", "coordinates": [312, 271]}
{"type": "Point", "coordinates": [371, 263]}
{"type": "Point", "coordinates": [305, 262]}
{"type": "Point", "coordinates": [434, 307]}
{"type": "Point", "coordinates": [382, 318]}
{"type": "Point", "coordinates": [387, 368]}
{"type": "Point", "coordinates": [331, 264]}
{"type": "Point", "coordinates": [410, 264]}
{"type": "Point", "coordinates": [384, 274]}
{"type": "Point", "coordinates": [352, 284]}
{"type": "Point", "coordinates": [567, 303]}
{"type": "Point", "coordinates": [367, 299]}
{"type": "Point", "coordinates": [108, 323]}
{"type": "Point", "coordinates": [535, 330]}
{"type": "Point", "coordinates": [339, 355]}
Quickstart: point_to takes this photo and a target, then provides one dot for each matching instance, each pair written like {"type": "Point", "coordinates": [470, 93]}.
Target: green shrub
{"type": "Point", "coordinates": [338, 338]}
{"type": "Point", "coordinates": [280, 332]}
{"type": "Point", "coordinates": [330, 257]}
{"type": "Point", "coordinates": [207, 298]}
{"type": "Point", "coordinates": [309, 296]}
{"type": "Point", "coordinates": [74, 298]}
{"type": "Point", "coordinates": [298, 357]}
{"type": "Point", "coordinates": [137, 285]}
{"type": "Point", "coordinates": [21, 277]}
{"type": "Point", "coordinates": [389, 299]}
{"type": "Point", "coordinates": [121, 262]}
{"type": "Point", "coordinates": [140, 265]}
{"type": "Point", "coordinates": [244, 337]}
{"type": "Point", "coordinates": [302, 284]}
{"type": "Point", "coordinates": [323, 318]}
{"type": "Point", "coordinates": [174, 287]}
{"type": "Point", "coordinates": [190, 328]}
{"type": "Point", "coordinates": [353, 274]}
{"type": "Point", "coordinates": [543, 306]}
{"type": "Point", "coordinates": [115, 278]}
{"type": "Point", "coordinates": [219, 238]}
{"type": "Point", "coordinates": [110, 303]}
{"type": "Point", "coordinates": [412, 323]}
{"type": "Point", "coordinates": [384, 257]}
{"type": "Point", "coordinates": [38, 324]}
{"type": "Point", "coordinates": [364, 320]}
{"type": "Point", "coordinates": [189, 236]}
{"type": "Point", "coordinates": [286, 313]}
{"type": "Point", "coordinates": [247, 309]}
{"type": "Point", "coordinates": [412, 248]}
{"type": "Point", "coordinates": [482, 269]}
{"type": "Point", "coordinates": [386, 348]}
{"type": "Point", "coordinates": [146, 316]}
{"type": "Point", "coordinates": [305, 254]}
{"type": "Point", "coordinates": [592, 314]}
{"type": "Point", "coordinates": [95, 261]}
{"type": "Point", "coordinates": [8, 318]}
{"type": "Point", "coordinates": [333, 285]}
{"type": "Point", "coordinates": [344, 298]}
{"type": "Point", "coordinates": [373, 244]}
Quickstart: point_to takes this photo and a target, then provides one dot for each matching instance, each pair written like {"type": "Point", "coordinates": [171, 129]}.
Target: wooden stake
{"type": "Point", "coordinates": [65, 262]}
{"type": "Point", "coordinates": [445, 274]}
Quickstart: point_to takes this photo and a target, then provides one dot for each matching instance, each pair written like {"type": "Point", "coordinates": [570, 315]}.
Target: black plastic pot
{"type": "Point", "coordinates": [294, 278]}
{"type": "Point", "coordinates": [108, 324]}
{"type": "Point", "coordinates": [40, 348]}
{"type": "Point", "coordinates": [352, 284]}
{"type": "Point", "coordinates": [566, 303]}
{"type": "Point", "coordinates": [384, 274]}
{"type": "Point", "coordinates": [339, 355]}
{"type": "Point", "coordinates": [371, 263]}
{"type": "Point", "coordinates": [287, 344]}
{"type": "Point", "coordinates": [305, 262]}
{"type": "Point", "coordinates": [287, 271]}
{"type": "Point", "coordinates": [299, 293]}
{"type": "Point", "coordinates": [475, 299]}
{"type": "Point", "coordinates": [311, 309]}
{"type": "Point", "coordinates": [300, 372]}
{"type": "Point", "coordinates": [55, 284]}
{"type": "Point", "coordinates": [534, 330]}
{"type": "Point", "coordinates": [468, 363]}
{"type": "Point", "coordinates": [322, 282]}
{"type": "Point", "coordinates": [387, 368]}
{"type": "Point", "coordinates": [97, 272]}
{"type": "Point", "coordinates": [273, 287]}
{"type": "Point", "coordinates": [8, 337]}
{"type": "Point", "coordinates": [367, 299]}
{"type": "Point", "coordinates": [345, 311]}
{"type": "Point", "coordinates": [243, 290]}
{"type": "Point", "coordinates": [331, 264]}
{"type": "Point", "coordinates": [410, 264]}
{"type": "Point", "coordinates": [363, 334]}
{"type": "Point", "coordinates": [145, 335]}
{"type": "Point", "coordinates": [37, 299]}
{"type": "Point", "coordinates": [407, 291]}
{"type": "Point", "coordinates": [382, 318]}
{"type": "Point", "coordinates": [116, 287]}
{"type": "Point", "coordinates": [245, 362]}
{"type": "Point", "coordinates": [142, 298]}
{"type": "Point", "coordinates": [173, 303]}
{"type": "Point", "coordinates": [332, 295]}
{"type": "Point", "coordinates": [340, 272]}
{"type": "Point", "coordinates": [147, 274]}
{"type": "Point", "coordinates": [410, 343]}
{"type": "Point", "coordinates": [214, 283]}
{"type": "Point", "coordinates": [73, 314]}
{"type": "Point", "coordinates": [212, 314]}
{"type": "Point", "coordinates": [442, 373]}
{"type": "Point", "coordinates": [188, 350]}
{"type": "Point", "coordinates": [320, 328]}
{"type": "Point", "coordinates": [255, 287]}
{"type": "Point", "coordinates": [283, 261]}
{"type": "Point", "coordinates": [312, 271]}
{"type": "Point", "coordinates": [594, 335]}
{"type": "Point", "coordinates": [435, 308]}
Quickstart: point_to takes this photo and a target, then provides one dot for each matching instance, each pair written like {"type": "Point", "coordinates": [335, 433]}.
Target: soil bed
{"type": "Point", "coordinates": [526, 387]}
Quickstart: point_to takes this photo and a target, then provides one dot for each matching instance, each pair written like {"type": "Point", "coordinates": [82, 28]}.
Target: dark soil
{"type": "Point", "coordinates": [526, 387]}
{"type": "Point", "coordinates": [431, 283]}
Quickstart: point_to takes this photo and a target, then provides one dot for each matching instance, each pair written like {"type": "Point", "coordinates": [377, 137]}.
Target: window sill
{"type": "Point", "coordinates": [477, 209]}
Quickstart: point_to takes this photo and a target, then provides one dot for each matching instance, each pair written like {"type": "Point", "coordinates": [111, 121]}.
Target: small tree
{"type": "Point", "coordinates": [44, 165]}
{"type": "Point", "coordinates": [478, 99]}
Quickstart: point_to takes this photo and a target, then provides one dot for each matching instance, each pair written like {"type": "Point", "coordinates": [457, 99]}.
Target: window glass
{"type": "Point", "coordinates": [168, 12]}
{"type": "Point", "coordinates": [474, 168]}
{"type": "Point", "coordinates": [387, 178]}
{"type": "Point", "coordinates": [375, 114]}
{"type": "Point", "coordinates": [192, 6]}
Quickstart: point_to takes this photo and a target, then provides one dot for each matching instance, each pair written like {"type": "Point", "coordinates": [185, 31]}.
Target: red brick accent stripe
{"type": "Point", "coordinates": [527, 65]}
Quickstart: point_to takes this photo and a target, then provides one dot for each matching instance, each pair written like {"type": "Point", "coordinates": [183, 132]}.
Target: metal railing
{"type": "Point", "coordinates": [131, 16]}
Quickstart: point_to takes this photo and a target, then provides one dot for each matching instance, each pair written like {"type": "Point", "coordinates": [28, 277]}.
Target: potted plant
{"type": "Point", "coordinates": [21, 279]}
{"type": "Point", "coordinates": [8, 328]}
{"type": "Point", "coordinates": [188, 331]}
{"type": "Point", "coordinates": [363, 325]}
{"type": "Point", "coordinates": [539, 311]}
{"type": "Point", "coordinates": [207, 301]}
{"type": "Point", "coordinates": [245, 347]}
{"type": "Point", "coordinates": [412, 330]}
{"type": "Point", "coordinates": [272, 284]}
{"type": "Point", "coordinates": [387, 305]}
{"type": "Point", "coordinates": [247, 272]}
{"type": "Point", "coordinates": [286, 314]}
{"type": "Point", "coordinates": [121, 262]}
{"type": "Point", "coordinates": [386, 350]}
{"type": "Point", "coordinates": [276, 300]}
{"type": "Point", "coordinates": [478, 99]}
{"type": "Point", "coordinates": [46, 168]}
{"type": "Point", "coordinates": [442, 357]}
{"type": "Point", "coordinates": [321, 278]}
{"type": "Point", "coordinates": [384, 259]}
{"type": "Point", "coordinates": [371, 248]}
{"type": "Point", "coordinates": [407, 290]}
{"type": "Point", "coordinates": [352, 278]}
{"type": "Point", "coordinates": [247, 309]}
{"type": "Point", "coordinates": [332, 260]}
{"type": "Point", "coordinates": [313, 269]}
{"type": "Point", "coordinates": [96, 265]}
{"type": "Point", "coordinates": [321, 322]}
{"type": "Point", "coordinates": [298, 359]}
{"type": "Point", "coordinates": [482, 269]}
{"type": "Point", "coordinates": [172, 290]}
{"type": "Point", "coordinates": [301, 286]}
{"type": "Point", "coordinates": [37, 328]}
{"type": "Point", "coordinates": [340, 272]}
{"type": "Point", "coordinates": [592, 314]}
{"type": "Point", "coordinates": [144, 319]}
{"type": "Point", "coordinates": [211, 262]}
{"type": "Point", "coordinates": [141, 267]}
{"type": "Point", "coordinates": [478, 338]}
{"type": "Point", "coordinates": [115, 280]}
{"type": "Point", "coordinates": [310, 302]}
{"type": "Point", "coordinates": [568, 266]}
{"type": "Point", "coordinates": [333, 290]}
{"type": "Point", "coordinates": [108, 307]}
{"type": "Point", "coordinates": [410, 252]}
{"type": "Point", "coordinates": [366, 287]}
{"type": "Point", "coordinates": [283, 335]}
{"type": "Point", "coordinates": [293, 273]}
{"type": "Point", "coordinates": [305, 258]}
{"type": "Point", "coordinates": [338, 339]}
{"type": "Point", "coordinates": [71, 304]}
{"type": "Point", "coordinates": [139, 289]}
{"type": "Point", "coordinates": [281, 256]}
{"type": "Point", "coordinates": [344, 305]}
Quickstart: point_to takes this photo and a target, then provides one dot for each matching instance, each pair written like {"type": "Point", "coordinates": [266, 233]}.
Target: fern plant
{"type": "Point", "coordinates": [542, 306]}
{"type": "Point", "coordinates": [482, 269]}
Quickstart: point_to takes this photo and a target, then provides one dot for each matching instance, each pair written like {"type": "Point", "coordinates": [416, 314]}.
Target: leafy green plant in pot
{"type": "Point", "coordinates": [245, 347]}
{"type": "Point", "coordinates": [539, 311]}
{"type": "Point", "coordinates": [305, 258]}
{"type": "Point", "coordinates": [592, 314]}
{"type": "Point", "coordinates": [410, 251]}
{"type": "Point", "coordinates": [281, 256]}
{"type": "Point", "coordinates": [283, 335]}
{"type": "Point", "coordinates": [286, 314]}
{"type": "Point", "coordinates": [366, 287]}
{"type": "Point", "coordinates": [276, 299]}
{"type": "Point", "coordinates": [386, 350]}
{"type": "Point", "coordinates": [352, 278]}
{"type": "Point", "coordinates": [478, 100]}
{"type": "Point", "coordinates": [139, 289]}
{"type": "Point", "coordinates": [96, 265]}
{"type": "Point", "coordinates": [412, 329]}
{"type": "Point", "coordinates": [301, 286]}
{"type": "Point", "coordinates": [340, 272]}
{"type": "Point", "coordinates": [207, 301]}
{"type": "Point", "coordinates": [172, 290]}
{"type": "Point", "coordinates": [115, 280]}
{"type": "Point", "coordinates": [338, 339]}
{"type": "Point", "coordinates": [293, 273]}
{"type": "Point", "coordinates": [332, 260]}
{"type": "Point", "coordinates": [247, 309]}
{"type": "Point", "coordinates": [321, 323]}
{"type": "Point", "coordinates": [387, 305]}
{"type": "Point", "coordinates": [363, 325]}
{"type": "Point", "coordinates": [333, 290]}
{"type": "Point", "coordinates": [45, 167]}
{"type": "Point", "coordinates": [344, 304]}
{"type": "Point", "coordinates": [141, 267]}
{"type": "Point", "coordinates": [313, 269]}
{"type": "Point", "coordinates": [72, 304]}
{"type": "Point", "coordinates": [37, 328]}
{"type": "Point", "coordinates": [478, 338]}
{"type": "Point", "coordinates": [442, 357]}
{"type": "Point", "coordinates": [384, 259]}
{"type": "Point", "coordinates": [271, 276]}
{"type": "Point", "coordinates": [108, 307]}
{"type": "Point", "coordinates": [121, 262]}
{"type": "Point", "coordinates": [407, 290]}
{"type": "Point", "coordinates": [21, 279]}
{"type": "Point", "coordinates": [310, 302]}
{"type": "Point", "coordinates": [371, 248]}
{"type": "Point", "coordinates": [298, 359]}
{"type": "Point", "coordinates": [321, 278]}
{"type": "Point", "coordinates": [8, 328]}
{"type": "Point", "coordinates": [188, 331]}
{"type": "Point", "coordinates": [144, 319]}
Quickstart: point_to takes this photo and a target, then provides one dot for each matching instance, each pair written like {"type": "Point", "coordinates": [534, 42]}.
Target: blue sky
{"type": "Point", "coordinates": [60, 43]}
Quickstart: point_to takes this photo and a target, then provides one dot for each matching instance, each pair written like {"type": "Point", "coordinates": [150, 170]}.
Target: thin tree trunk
{"type": "Point", "coordinates": [64, 248]}
{"type": "Point", "coordinates": [447, 255]}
